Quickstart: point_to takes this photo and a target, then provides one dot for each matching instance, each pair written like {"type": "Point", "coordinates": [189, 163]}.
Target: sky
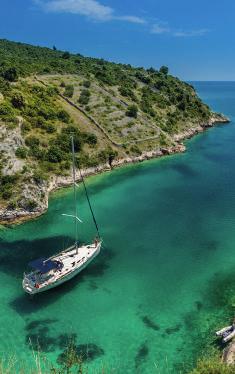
{"type": "Point", "coordinates": [194, 38]}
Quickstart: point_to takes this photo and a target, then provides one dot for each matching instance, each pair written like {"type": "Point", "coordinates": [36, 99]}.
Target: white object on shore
{"type": "Point", "coordinates": [229, 336]}
{"type": "Point", "coordinates": [220, 332]}
{"type": "Point", "coordinates": [227, 333]}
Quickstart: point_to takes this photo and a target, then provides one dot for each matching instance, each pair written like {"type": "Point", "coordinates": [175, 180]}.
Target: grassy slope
{"type": "Point", "coordinates": [123, 112]}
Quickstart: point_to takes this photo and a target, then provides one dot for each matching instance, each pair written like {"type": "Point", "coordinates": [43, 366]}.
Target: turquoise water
{"type": "Point", "coordinates": [150, 302]}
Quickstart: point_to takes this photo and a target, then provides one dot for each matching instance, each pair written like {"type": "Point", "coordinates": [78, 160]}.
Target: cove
{"type": "Point", "coordinates": [152, 299]}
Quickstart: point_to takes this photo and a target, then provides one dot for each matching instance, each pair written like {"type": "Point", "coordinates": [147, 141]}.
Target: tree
{"type": "Point", "coordinates": [132, 111]}
{"type": "Point", "coordinates": [66, 55]}
{"type": "Point", "coordinates": [107, 155]}
{"type": "Point", "coordinates": [6, 110]}
{"type": "Point", "coordinates": [31, 205]}
{"type": "Point", "coordinates": [17, 100]}
{"type": "Point", "coordinates": [69, 90]}
{"type": "Point", "coordinates": [64, 116]}
{"type": "Point", "coordinates": [84, 97]}
{"type": "Point", "coordinates": [21, 152]}
{"type": "Point", "coordinates": [151, 70]}
{"type": "Point", "coordinates": [54, 48]}
{"type": "Point", "coordinates": [10, 74]}
{"type": "Point", "coordinates": [32, 141]}
{"type": "Point", "coordinates": [164, 70]}
{"type": "Point", "coordinates": [90, 138]}
{"type": "Point", "coordinates": [54, 154]}
{"type": "Point", "coordinates": [86, 84]}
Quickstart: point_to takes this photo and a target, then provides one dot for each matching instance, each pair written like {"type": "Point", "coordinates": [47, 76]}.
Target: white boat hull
{"type": "Point", "coordinates": [94, 250]}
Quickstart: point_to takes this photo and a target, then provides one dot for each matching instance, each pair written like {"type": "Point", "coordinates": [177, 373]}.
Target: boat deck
{"type": "Point", "coordinates": [73, 260]}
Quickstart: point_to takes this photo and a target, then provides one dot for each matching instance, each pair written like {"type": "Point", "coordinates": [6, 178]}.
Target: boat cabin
{"type": "Point", "coordinates": [44, 269]}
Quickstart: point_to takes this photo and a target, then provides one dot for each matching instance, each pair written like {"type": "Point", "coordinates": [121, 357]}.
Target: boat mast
{"type": "Point", "coordinates": [75, 195]}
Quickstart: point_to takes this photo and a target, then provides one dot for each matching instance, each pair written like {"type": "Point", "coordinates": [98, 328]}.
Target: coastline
{"type": "Point", "coordinates": [17, 216]}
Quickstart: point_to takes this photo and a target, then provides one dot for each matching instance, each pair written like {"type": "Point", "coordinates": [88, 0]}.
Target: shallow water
{"type": "Point", "coordinates": [151, 300]}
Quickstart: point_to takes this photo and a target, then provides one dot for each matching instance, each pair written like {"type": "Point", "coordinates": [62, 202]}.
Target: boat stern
{"type": "Point", "coordinates": [28, 286]}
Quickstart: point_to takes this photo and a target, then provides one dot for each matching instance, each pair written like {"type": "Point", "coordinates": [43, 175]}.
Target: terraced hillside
{"type": "Point", "coordinates": [117, 114]}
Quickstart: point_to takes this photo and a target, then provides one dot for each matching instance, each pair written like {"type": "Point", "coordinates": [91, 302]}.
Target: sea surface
{"type": "Point", "coordinates": [163, 282]}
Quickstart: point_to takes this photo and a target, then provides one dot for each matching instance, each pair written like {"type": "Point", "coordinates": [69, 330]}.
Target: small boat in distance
{"type": "Point", "coordinates": [51, 272]}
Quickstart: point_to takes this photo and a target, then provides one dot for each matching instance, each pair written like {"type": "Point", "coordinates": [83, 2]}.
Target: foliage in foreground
{"type": "Point", "coordinates": [213, 365]}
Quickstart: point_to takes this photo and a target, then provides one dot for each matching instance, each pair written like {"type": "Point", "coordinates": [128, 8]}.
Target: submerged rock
{"type": "Point", "coordinates": [141, 355]}
{"type": "Point", "coordinates": [150, 324]}
{"type": "Point", "coordinates": [173, 329]}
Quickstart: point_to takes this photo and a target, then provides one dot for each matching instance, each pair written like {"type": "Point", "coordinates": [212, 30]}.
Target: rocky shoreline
{"type": "Point", "coordinates": [16, 216]}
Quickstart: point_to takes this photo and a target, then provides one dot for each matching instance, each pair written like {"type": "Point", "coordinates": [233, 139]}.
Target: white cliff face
{"type": "Point", "coordinates": [10, 140]}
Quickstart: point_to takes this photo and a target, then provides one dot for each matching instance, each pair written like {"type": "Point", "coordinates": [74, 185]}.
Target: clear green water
{"type": "Point", "coordinates": [152, 299]}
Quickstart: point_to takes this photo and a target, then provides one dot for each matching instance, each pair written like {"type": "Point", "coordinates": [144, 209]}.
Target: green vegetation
{"type": "Point", "coordinates": [69, 90]}
{"type": "Point", "coordinates": [132, 111]}
{"type": "Point", "coordinates": [7, 183]}
{"type": "Point", "coordinates": [21, 152]}
{"type": "Point", "coordinates": [120, 105]}
{"type": "Point", "coordinates": [213, 365]}
{"type": "Point", "coordinates": [84, 97]}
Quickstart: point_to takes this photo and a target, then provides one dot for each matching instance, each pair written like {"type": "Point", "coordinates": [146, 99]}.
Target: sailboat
{"type": "Point", "coordinates": [50, 272]}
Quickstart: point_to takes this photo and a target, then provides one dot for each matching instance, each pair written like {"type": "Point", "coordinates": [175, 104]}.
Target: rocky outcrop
{"type": "Point", "coordinates": [229, 354]}
{"type": "Point", "coordinates": [10, 140]}
{"type": "Point", "coordinates": [216, 118]}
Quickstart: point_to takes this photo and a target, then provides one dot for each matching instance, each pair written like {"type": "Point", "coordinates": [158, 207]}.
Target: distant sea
{"type": "Point", "coordinates": [150, 303]}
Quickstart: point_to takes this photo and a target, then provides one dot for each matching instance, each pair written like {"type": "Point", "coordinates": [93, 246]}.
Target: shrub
{"type": "Point", "coordinates": [6, 185]}
{"type": "Point", "coordinates": [49, 127]}
{"type": "Point", "coordinates": [8, 179]}
{"type": "Point", "coordinates": [84, 97]}
{"type": "Point", "coordinates": [32, 141]}
{"type": "Point", "coordinates": [132, 111]}
{"type": "Point", "coordinates": [107, 155]}
{"type": "Point", "coordinates": [4, 85]}
{"type": "Point", "coordinates": [25, 127]}
{"type": "Point", "coordinates": [38, 177]}
{"type": "Point", "coordinates": [37, 153]}
{"type": "Point", "coordinates": [85, 160]}
{"type": "Point", "coordinates": [21, 152]}
{"type": "Point", "coordinates": [84, 100]}
{"type": "Point", "coordinates": [66, 55]}
{"type": "Point", "coordinates": [63, 140]}
{"type": "Point", "coordinates": [54, 154]}
{"type": "Point", "coordinates": [90, 138]}
{"type": "Point", "coordinates": [181, 105]}
{"type": "Point", "coordinates": [7, 193]}
{"type": "Point", "coordinates": [135, 149]}
{"type": "Point", "coordinates": [127, 92]}
{"type": "Point", "coordinates": [213, 365]}
{"type": "Point", "coordinates": [12, 205]}
{"type": "Point", "coordinates": [85, 92]}
{"type": "Point", "coordinates": [69, 90]}
{"type": "Point", "coordinates": [6, 110]}
{"type": "Point", "coordinates": [64, 116]}
{"type": "Point", "coordinates": [164, 70]}
{"type": "Point", "coordinates": [86, 84]}
{"type": "Point", "coordinates": [17, 100]}
{"type": "Point", "coordinates": [31, 204]}
{"type": "Point", "coordinates": [10, 74]}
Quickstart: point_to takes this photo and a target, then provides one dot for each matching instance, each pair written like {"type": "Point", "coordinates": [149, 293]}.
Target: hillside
{"type": "Point", "coordinates": [117, 114]}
